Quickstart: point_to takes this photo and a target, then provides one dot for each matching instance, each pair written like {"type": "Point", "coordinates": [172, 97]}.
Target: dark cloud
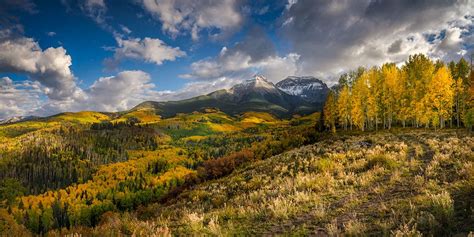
{"type": "Point", "coordinates": [257, 45]}
{"type": "Point", "coordinates": [396, 47]}
{"type": "Point", "coordinates": [256, 53]}
{"type": "Point", "coordinates": [333, 36]}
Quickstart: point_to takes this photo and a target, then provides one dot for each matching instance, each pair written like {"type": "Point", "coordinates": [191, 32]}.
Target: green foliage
{"type": "Point", "coordinates": [10, 189]}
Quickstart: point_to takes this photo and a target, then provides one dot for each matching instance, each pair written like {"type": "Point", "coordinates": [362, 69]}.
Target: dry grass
{"type": "Point", "coordinates": [402, 184]}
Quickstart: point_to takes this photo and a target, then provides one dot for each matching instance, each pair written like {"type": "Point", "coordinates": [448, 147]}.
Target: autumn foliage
{"type": "Point", "coordinates": [421, 93]}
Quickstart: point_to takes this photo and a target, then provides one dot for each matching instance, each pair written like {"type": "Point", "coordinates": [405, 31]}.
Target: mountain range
{"type": "Point", "coordinates": [293, 95]}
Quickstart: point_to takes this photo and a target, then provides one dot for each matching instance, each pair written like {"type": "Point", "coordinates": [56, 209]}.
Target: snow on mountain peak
{"type": "Point", "coordinates": [307, 87]}
{"type": "Point", "coordinates": [261, 81]}
{"type": "Point", "coordinates": [257, 82]}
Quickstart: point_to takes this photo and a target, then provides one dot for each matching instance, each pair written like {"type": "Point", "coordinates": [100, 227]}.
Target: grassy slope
{"type": "Point", "coordinates": [379, 184]}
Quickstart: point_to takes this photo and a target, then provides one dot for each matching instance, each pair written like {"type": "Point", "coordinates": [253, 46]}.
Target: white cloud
{"type": "Point", "coordinates": [17, 99]}
{"type": "Point", "coordinates": [150, 50]}
{"type": "Point", "coordinates": [191, 17]}
{"type": "Point", "coordinates": [120, 92]}
{"type": "Point", "coordinates": [49, 67]}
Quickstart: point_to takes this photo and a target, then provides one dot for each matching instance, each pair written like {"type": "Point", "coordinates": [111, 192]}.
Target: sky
{"type": "Point", "coordinates": [110, 55]}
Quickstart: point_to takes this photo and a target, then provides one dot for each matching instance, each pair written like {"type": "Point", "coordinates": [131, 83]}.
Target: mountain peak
{"type": "Point", "coordinates": [307, 87]}
{"type": "Point", "coordinates": [257, 77]}
{"type": "Point", "coordinates": [257, 83]}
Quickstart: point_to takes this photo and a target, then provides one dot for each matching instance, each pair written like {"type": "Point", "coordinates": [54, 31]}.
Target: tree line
{"type": "Point", "coordinates": [420, 93]}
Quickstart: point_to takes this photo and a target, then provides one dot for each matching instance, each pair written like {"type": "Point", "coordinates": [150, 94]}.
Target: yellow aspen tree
{"type": "Point", "coordinates": [439, 98]}
{"type": "Point", "coordinates": [330, 112]}
{"type": "Point", "coordinates": [403, 113]}
{"type": "Point", "coordinates": [392, 96]}
{"type": "Point", "coordinates": [359, 101]}
{"type": "Point", "coordinates": [344, 106]}
{"type": "Point", "coordinates": [373, 96]}
{"type": "Point", "coordinates": [419, 72]}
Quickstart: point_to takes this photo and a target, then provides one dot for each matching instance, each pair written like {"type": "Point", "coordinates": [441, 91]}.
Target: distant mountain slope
{"type": "Point", "coordinates": [256, 94]}
{"type": "Point", "coordinates": [308, 88]}
{"type": "Point", "coordinates": [17, 119]}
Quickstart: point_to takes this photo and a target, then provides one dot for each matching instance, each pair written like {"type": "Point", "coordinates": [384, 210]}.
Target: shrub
{"type": "Point", "coordinates": [217, 168]}
{"type": "Point", "coordinates": [354, 228]}
{"type": "Point", "coordinates": [382, 161]}
{"type": "Point", "coordinates": [441, 207]}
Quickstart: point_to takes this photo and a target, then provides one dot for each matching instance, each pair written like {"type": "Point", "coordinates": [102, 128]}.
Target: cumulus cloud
{"type": "Point", "coordinates": [120, 92]}
{"type": "Point", "coordinates": [335, 36]}
{"type": "Point", "coordinates": [183, 16]}
{"type": "Point", "coordinates": [49, 67]}
{"type": "Point", "coordinates": [151, 50]}
{"type": "Point", "coordinates": [255, 54]}
{"type": "Point", "coordinates": [17, 99]}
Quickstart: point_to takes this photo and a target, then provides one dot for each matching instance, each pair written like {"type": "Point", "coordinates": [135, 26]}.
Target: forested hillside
{"type": "Point", "coordinates": [61, 172]}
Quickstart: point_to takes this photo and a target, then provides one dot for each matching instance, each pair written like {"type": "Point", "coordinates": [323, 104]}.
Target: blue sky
{"type": "Point", "coordinates": [85, 40]}
{"type": "Point", "coordinates": [71, 55]}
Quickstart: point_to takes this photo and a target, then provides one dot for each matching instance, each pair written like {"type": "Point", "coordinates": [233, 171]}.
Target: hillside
{"type": "Point", "coordinates": [69, 170]}
{"type": "Point", "coordinates": [404, 183]}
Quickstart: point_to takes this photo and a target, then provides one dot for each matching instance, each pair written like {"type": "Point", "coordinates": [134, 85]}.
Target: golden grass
{"type": "Point", "coordinates": [144, 115]}
{"type": "Point", "coordinates": [81, 117]}
{"type": "Point", "coordinates": [223, 127]}
{"type": "Point", "coordinates": [258, 117]}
